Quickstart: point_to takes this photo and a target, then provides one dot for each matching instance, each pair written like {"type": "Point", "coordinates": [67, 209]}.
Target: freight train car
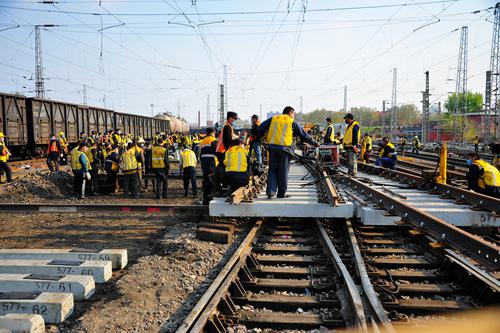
{"type": "Point", "coordinates": [13, 122]}
{"type": "Point", "coordinates": [176, 124]}
{"type": "Point", "coordinates": [28, 122]}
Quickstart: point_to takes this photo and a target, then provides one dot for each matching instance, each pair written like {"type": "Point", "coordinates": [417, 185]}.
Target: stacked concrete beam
{"type": "Point", "coordinates": [22, 323]}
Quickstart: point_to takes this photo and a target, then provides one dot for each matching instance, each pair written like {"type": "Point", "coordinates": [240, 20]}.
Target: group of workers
{"type": "Point", "coordinates": [227, 159]}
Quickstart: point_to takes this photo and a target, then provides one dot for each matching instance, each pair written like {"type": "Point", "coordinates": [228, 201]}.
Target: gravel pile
{"type": "Point", "coordinates": [38, 186]}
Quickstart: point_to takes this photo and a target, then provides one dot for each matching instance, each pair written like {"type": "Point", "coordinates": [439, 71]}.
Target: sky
{"type": "Point", "coordinates": [151, 56]}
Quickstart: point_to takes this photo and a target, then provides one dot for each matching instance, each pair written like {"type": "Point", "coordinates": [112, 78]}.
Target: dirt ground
{"type": "Point", "coordinates": [168, 270]}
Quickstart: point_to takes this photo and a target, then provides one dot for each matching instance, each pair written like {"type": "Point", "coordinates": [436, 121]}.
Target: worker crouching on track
{"type": "Point", "coordinates": [188, 168]}
{"type": "Point", "coordinates": [482, 177]}
{"type": "Point", "coordinates": [80, 166]}
{"type": "Point", "coordinates": [160, 165]}
{"type": "Point", "coordinates": [4, 157]}
{"type": "Point", "coordinates": [237, 167]}
{"type": "Point", "coordinates": [388, 155]}
{"type": "Point", "coordinates": [130, 166]}
{"type": "Point", "coordinates": [54, 153]}
{"type": "Point", "coordinates": [208, 163]}
{"type": "Point", "coordinates": [279, 131]}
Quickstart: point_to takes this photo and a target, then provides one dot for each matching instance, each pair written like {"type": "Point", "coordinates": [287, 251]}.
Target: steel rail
{"type": "Point", "coordinates": [377, 310]}
{"type": "Point", "coordinates": [462, 195]}
{"type": "Point", "coordinates": [202, 311]}
{"type": "Point", "coordinates": [247, 193]}
{"type": "Point", "coordinates": [355, 302]}
{"type": "Point", "coordinates": [482, 251]}
{"type": "Point", "coordinates": [101, 208]}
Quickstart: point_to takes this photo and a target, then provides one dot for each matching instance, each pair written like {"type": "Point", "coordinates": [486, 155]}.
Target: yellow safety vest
{"type": "Point", "coordinates": [491, 175]}
{"type": "Point", "coordinates": [348, 134]}
{"type": "Point", "coordinates": [90, 156]}
{"type": "Point", "coordinates": [236, 159]}
{"type": "Point", "coordinates": [4, 154]}
{"type": "Point", "coordinates": [129, 162]}
{"type": "Point", "coordinates": [207, 141]}
{"type": "Point", "coordinates": [188, 158]}
{"type": "Point", "coordinates": [158, 158]}
{"type": "Point", "coordinates": [75, 160]}
{"type": "Point", "coordinates": [332, 133]}
{"type": "Point", "coordinates": [367, 144]}
{"type": "Point", "coordinates": [416, 142]}
{"type": "Point", "coordinates": [116, 139]}
{"type": "Point", "coordinates": [390, 145]}
{"type": "Point", "coordinates": [63, 142]}
{"type": "Point", "coordinates": [280, 131]}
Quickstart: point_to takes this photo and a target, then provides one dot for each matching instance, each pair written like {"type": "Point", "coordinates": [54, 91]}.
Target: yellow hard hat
{"type": "Point", "coordinates": [1, 135]}
{"type": "Point", "coordinates": [61, 133]}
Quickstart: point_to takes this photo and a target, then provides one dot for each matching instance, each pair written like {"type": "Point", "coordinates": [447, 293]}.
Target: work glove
{"type": "Point", "coordinates": [355, 149]}
{"type": "Point", "coordinates": [87, 176]}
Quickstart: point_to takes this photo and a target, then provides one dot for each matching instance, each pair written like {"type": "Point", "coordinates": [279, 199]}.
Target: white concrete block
{"type": "Point", "coordinates": [82, 287]}
{"type": "Point", "coordinates": [22, 323]}
{"type": "Point", "coordinates": [53, 307]}
{"type": "Point", "coordinates": [302, 203]}
{"type": "Point", "coordinates": [372, 216]}
{"type": "Point", "coordinates": [118, 257]}
{"type": "Point", "coordinates": [99, 270]}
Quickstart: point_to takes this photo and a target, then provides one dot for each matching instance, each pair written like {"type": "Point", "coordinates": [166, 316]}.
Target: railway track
{"type": "Point", "coordinates": [285, 275]}
{"type": "Point", "coordinates": [409, 278]}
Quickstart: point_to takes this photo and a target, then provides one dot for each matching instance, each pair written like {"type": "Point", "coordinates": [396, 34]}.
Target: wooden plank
{"type": "Point", "coordinates": [213, 235]}
{"type": "Point", "coordinates": [217, 226]}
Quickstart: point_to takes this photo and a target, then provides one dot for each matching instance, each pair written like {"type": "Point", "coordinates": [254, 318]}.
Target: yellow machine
{"type": "Point", "coordinates": [443, 160]}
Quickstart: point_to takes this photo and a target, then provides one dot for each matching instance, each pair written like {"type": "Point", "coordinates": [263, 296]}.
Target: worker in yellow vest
{"type": "Point", "coordinates": [416, 145]}
{"type": "Point", "coordinates": [225, 139]}
{"type": "Point", "coordinates": [476, 144]}
{"type": "Point", "coordinates": [387, 155]}
{"type": "Point", "coordinates": [208, 163]}
{"type": "Point", "coordinates": [351, 141]}
{"type": "Point", "coordinates": [93, 158]}
{"type": "Point", "coordinates": [482, 177]}
{"type": "Point", "coordinates": [237, 165]}
{"type": "Point", "coordinates": [366, 148]}
{"type": "Point", "coordinates": [329, 132]}
{"type": "Point", "coordinates": [188, 168]}
{"type": "Point", "coordinates": [129, 165]}
{"type": "Point", "coordinates": [64, 145]}
{"type": "Point", "coordinates": [4, 157]}
{"type": "Point", "coordinates": [80, 166]}
{"type": "Point", "coordinates": [279, 132]}
{"type": "Point", "coordinates": [160, 166]}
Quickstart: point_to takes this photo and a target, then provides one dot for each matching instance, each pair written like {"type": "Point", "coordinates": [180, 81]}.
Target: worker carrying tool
{"type": "Point", "coordinates": [4, 157]}
{"type": "Point", "coordinates": [482, 177]}
{"type": "Point", "coordinates": [237, 167]}
{"type": "Point", "coordinates": [188, 169]}
{"type": "Point", "coordinates": [160, 167]}
{"type": "Point", "coordinates": [80, 166]}
{"type": "Point", "coordinates": [279, 131]}
{"type": "Point", "coordinates": [388, 155]}
{"type": "Point", "coordinates": [208, 163]}
{"type": "Point", "coordinates": [351, 140]}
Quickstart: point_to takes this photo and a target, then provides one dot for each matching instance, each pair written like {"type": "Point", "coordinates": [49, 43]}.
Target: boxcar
{"type": "Point", "coordinates": [13, 122]}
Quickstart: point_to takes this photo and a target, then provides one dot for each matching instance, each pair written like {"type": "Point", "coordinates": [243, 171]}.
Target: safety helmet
{"type": "Point", "coordinates": [61, 133]}
{"type": "Point", "coordinates": [1, 135]}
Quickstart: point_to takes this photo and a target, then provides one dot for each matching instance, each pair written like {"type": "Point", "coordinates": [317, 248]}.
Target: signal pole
{"type": "Point", "coordinates": [383, 118]}
{"type": "Point", "coordinates": [84, 94]}
{"type": "Point", "coordinates": [425, 110]}
{"type": "Point", "coordinates": [491, 104]}
{"type": "Point", "coordinates": [221, 105]}
{"type": "Point", "coordinates": [345, 99]}
{"type": "Point", "coordinates": [208, 108]}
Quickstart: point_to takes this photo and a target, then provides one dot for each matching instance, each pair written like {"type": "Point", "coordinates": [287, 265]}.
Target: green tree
{"type": "Point", "coordinates": [474, 102]}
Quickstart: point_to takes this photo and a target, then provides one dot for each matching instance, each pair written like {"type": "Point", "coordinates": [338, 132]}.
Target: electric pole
{"type": "Point", "coordinates": [84, 94]}
{"type": "Point", "coordinates": [345, 99]}
{"type": "Point", "coordinates": [208, 108]}
{"type": "Point", "coordinates": [221, 105]}
{"type": "Point", "coordinates": [425, 110]}
{"type": "Point", "coordinates": [225, 88]}
{"type": "Point", "coordinates": [438, 127]}
{"type": "Point", "coordinates": [383, 118]}
{"type": "Point", "coordinates": [491, 97]}
{"type": "Point", "coordinates": [461, 83]}
{"type": "Point", "coordinates": [394, 115]}
{"type": "Point", "coordinates": [260, 112]}
{"type": "Point", "coordinates": [301, 105]}
{"type": "Point", "coordinates": [39, 78]}
{"type": "Point", "coordinates": [486, 119]}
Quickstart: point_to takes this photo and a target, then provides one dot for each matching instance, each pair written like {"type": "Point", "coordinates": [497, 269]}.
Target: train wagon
{"type": "Point", "coordinates": [13, 122]}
